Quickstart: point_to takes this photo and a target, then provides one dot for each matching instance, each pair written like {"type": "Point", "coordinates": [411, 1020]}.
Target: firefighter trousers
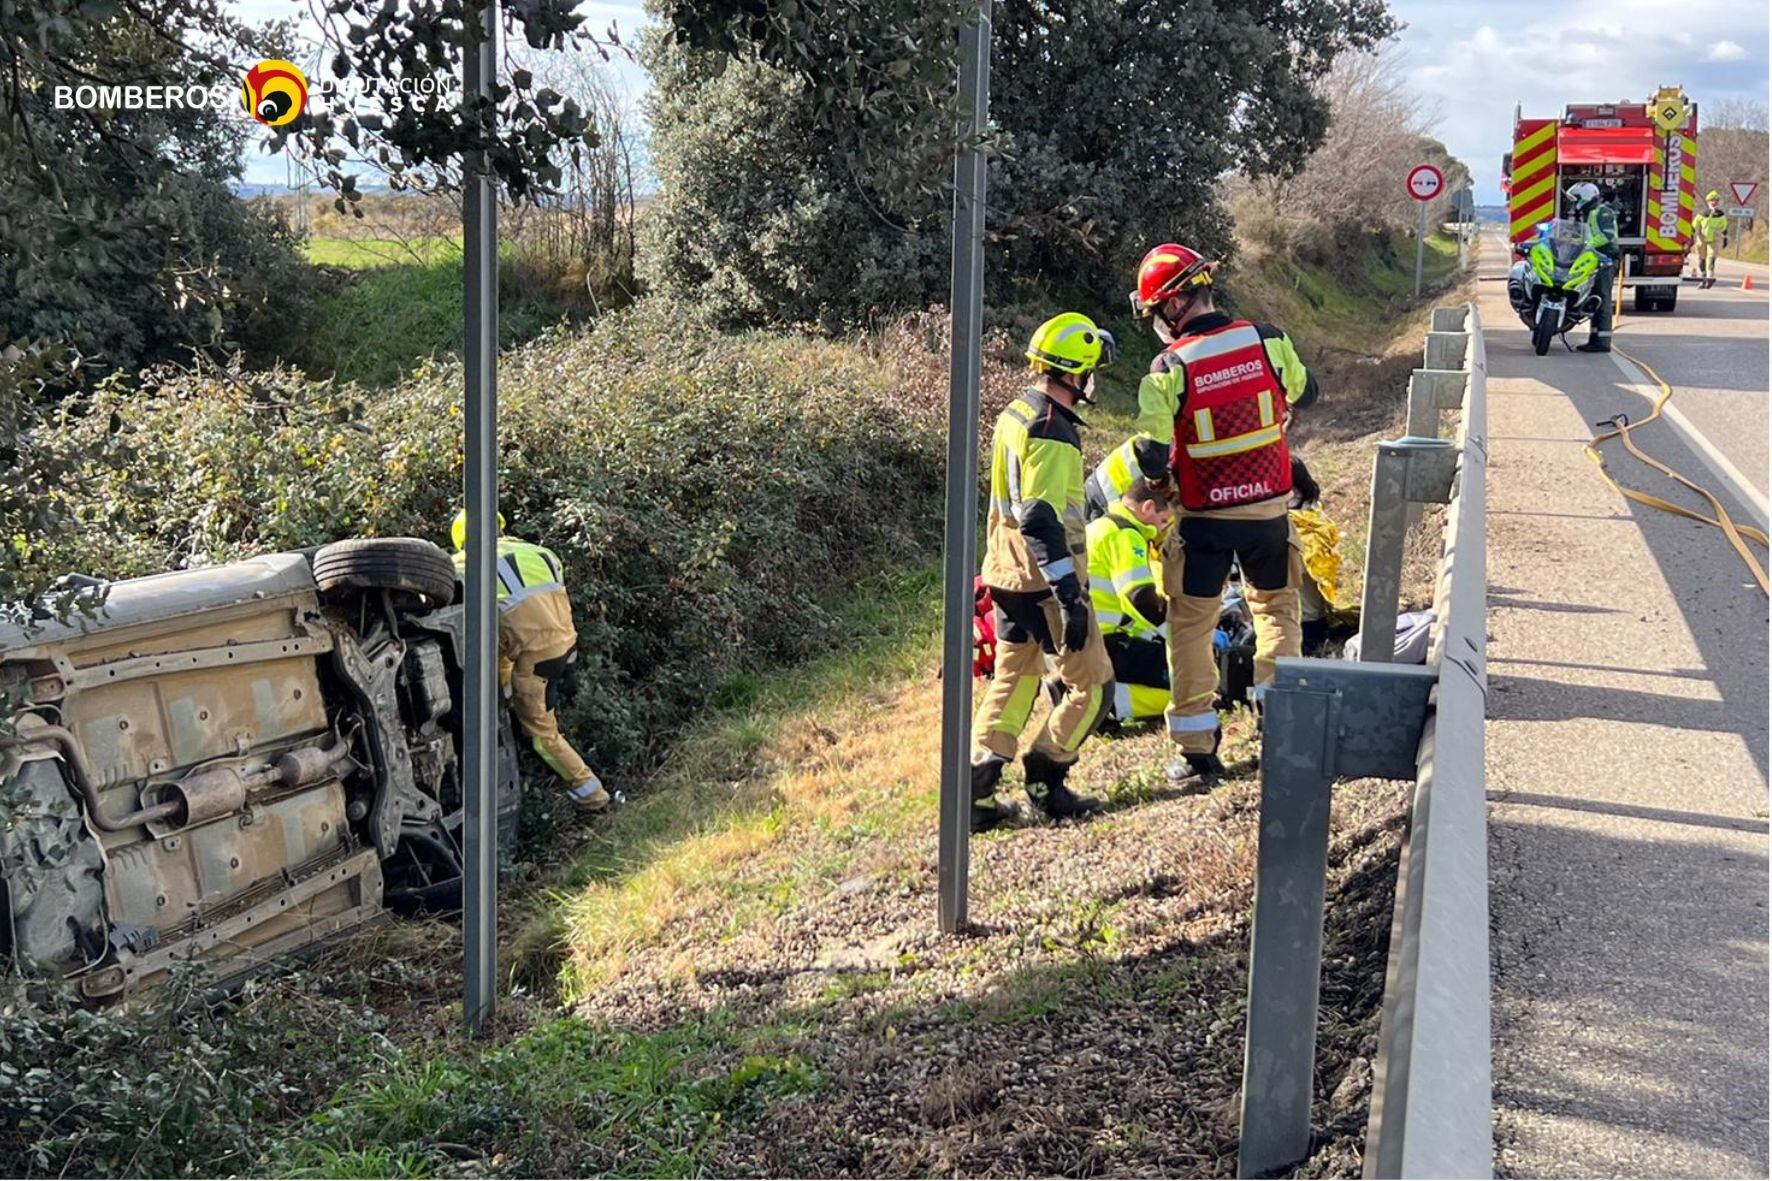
{"type": "Point", "coordinates": [1196, 563]}
{"type": "Point", "coordinates": [1707, 259]}
{"type": "Point", "coordinates": [535, 640]}
{"type": "Point", "coordinates": [1028, 626]}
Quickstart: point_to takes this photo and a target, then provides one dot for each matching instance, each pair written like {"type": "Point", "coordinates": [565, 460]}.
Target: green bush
{"type": "Point", "coordinates": [800, 183]}
{"type": "Point", "coordinates": [177, 1086]}
{"type": "Point", "coordinates": [705, 492]}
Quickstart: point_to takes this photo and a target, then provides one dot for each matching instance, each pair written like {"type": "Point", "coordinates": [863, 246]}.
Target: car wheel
{"type": "Point", "coordinates": [409, 564]}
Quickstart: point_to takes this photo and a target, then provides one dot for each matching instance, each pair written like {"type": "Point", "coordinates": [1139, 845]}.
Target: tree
{"type": "Point", "coordinates": [1378, 130]}
{"type": "Point", "coordinates": [1731, 146]}
{"type": "Point", "coordinates": [121, 239]}
{"type": "Point", "coordinates": [786, 196]}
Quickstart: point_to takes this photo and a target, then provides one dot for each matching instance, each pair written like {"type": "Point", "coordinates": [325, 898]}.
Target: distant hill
{"type": "Point", "coordinates": [1492, 215]}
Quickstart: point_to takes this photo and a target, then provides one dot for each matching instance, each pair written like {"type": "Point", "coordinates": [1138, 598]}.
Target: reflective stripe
{"type": "Point", "coordinates": [1194, 723]}
{"type": "Point", "coordinates": [1012, 474]}
{"type": "Point", "coordinates": [1075, 739]}
{"type": "Point", "coordinates": [1123, 701]}
{"type": "Point", "coordinates": [1136, 576]}
{"type": "Point", "coordinates": [507, 574]}
{"type": "Point", "coordinates": [517, 596]}
{"type": "Point", "coordinates": [1257, 693]}
{"type": "Point", "coordinates": [1108, 620]}
{"type": "Point", "coordinates": [587, 789]}
{"type": "Point", "coordinates": [1203, 425]}
{"type": "Point", "coordinates": [1057, 570]}
{"type": "Point", "coordinates": [1200, 348]}
{"type": "Point", "coordinates": [1266, 400]}
{"type": "Point", "coordinates": [1236, 444]}
{"type": "Point", "coordinates": [1002, 507]}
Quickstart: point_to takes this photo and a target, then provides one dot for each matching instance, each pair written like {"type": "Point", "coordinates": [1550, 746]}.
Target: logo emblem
{"type": "Point", "coordinates": [1669, 110]}
{"type": "Point", "coordinates": [274, 92]}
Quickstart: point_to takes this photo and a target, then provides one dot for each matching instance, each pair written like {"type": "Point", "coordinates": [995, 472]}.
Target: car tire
{"type": "Point", "coordinates": [409, 564]}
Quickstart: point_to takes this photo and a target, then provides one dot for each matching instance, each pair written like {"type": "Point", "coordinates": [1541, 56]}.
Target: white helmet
{"type": "Point", "coordinates": [1584, 193]}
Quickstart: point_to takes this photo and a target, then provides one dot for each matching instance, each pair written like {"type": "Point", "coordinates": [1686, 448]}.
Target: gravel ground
{"type": "Point", "coordinates": [1089, 1024]}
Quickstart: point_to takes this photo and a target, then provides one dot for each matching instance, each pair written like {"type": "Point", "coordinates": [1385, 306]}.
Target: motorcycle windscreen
{"type": "Point", "coordinates": [1605, 145]}
{"type": "Point", "coordinates": [1567, 239]}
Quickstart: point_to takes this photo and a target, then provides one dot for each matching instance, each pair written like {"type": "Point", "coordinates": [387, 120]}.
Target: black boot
{"type": "Point", "coordinates": [1046, 788]}
{"type": "Point", "coordinates": [1594, 346]}
{"type": "Point", "coordinates": [987, 813]}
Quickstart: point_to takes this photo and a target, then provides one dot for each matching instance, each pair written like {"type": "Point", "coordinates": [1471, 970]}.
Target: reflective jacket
{"type": "Point", "coordinates": [1120, 547]}
{"type": "Point", "coordinates": [1602, 231]}
{"type": "Point", "coordinates": [1217, 397]}
{"type": "Point", "coordinates": [1137, 456]}
{"type": "Point", "coordinates": [525, 570]}
{"type": "Point", "coordinates": [1711, 228]}
{"type": "Point", "coordinates": [1034, 530]}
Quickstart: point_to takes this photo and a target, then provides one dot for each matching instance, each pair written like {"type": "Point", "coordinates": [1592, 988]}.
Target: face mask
{"type": "Point", "coordinates": [1165, 333]}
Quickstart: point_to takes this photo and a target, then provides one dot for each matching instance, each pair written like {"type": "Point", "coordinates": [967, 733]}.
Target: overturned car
{"type": "Point", "coordinates": [228, 764]}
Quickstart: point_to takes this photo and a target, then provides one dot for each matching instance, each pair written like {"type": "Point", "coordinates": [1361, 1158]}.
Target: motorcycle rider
{"type": "Point", "coordinates": [1710, 232]}
{"type": "Point", "coordinates": [1585, 205]}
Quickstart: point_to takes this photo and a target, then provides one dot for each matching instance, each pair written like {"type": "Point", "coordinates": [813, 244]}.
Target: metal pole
{"type": "Point", "coordinates": [1286, 930]}
{"type": "Point", "coordinates": [1420, 244]}
{"type": "Point", "coordinates": [480, 475]}
{"type": "Point", "coordinates": [961, 543]}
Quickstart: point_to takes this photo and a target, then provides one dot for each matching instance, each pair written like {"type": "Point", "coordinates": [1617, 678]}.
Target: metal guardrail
{"type": "Point", "coordinates": [1328, 719]}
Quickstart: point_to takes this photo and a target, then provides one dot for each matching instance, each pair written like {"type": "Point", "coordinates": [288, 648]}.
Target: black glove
{"type": "Point", "coordinates": [1074, 607]}
{"type": "Point", "coordinates": [1304, 486]}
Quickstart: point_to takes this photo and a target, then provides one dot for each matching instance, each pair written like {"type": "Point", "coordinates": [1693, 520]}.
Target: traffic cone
{"type": "Point", "coordinates": [1747, 282]}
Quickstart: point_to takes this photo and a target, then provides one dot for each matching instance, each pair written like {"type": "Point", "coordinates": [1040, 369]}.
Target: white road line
{"type": "Point", "coordinates": [1714, 459]}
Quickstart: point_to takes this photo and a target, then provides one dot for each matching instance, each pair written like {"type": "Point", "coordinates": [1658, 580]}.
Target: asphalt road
{"type": "Point", "coordinates": [1627, 756]}
{"type": "Point", "coordinates": [1713, 349]}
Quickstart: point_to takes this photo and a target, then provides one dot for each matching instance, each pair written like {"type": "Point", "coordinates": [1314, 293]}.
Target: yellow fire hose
{"type": "Point", "coordinates": [1622, 427]}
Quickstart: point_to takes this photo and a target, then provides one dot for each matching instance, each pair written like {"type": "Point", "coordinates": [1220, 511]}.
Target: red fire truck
{"type": "Point", "coordinates": [1642, 155]}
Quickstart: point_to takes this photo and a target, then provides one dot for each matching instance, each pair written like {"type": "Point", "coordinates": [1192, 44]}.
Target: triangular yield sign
{"type": "Point", "coordinates": [1743, 190]}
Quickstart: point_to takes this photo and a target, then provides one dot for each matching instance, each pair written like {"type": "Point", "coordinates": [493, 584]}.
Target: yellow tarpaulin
{"type": "Point", "coordinates": [1320, 539]}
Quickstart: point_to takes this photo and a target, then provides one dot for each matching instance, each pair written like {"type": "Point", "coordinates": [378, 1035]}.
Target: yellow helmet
{"type": "Point", "coordinates": [1713, 195]}
{"type": "Point", "coordinates": [458, 528]}
{"type": "Point", "coordinates": [1070, 343]}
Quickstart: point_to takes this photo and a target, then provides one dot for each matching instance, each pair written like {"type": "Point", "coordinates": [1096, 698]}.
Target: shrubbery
{"type": "Point", "coordinates": [705, 492]}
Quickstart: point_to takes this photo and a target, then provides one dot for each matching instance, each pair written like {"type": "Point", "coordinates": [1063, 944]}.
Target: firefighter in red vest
{"type": "Point", "coordinates": [1219, 396]}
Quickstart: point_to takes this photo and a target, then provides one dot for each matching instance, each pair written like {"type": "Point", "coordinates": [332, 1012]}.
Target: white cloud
{"type": "Point", "coordinates": [1473, 62]}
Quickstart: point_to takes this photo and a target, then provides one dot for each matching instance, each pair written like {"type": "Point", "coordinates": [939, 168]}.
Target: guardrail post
{"type": "Point", "coordinates": [1280, 1047]}
{"type": "Point", "coordinates": [1431, 391]}
{"type": "Point", "coordinates": [1322, 719]}
{"type": "Point", "coordinates": [1405, 472]}
{"type": "Point", "coordinates": [1445, 350]}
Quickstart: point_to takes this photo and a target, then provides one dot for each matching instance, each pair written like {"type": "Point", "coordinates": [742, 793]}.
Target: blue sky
{"type": "Point", "coordinates": [1470, 62]}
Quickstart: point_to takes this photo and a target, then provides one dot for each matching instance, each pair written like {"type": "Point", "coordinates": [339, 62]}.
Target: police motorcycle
{"type": "Point", "coordinates": [1554, 287]}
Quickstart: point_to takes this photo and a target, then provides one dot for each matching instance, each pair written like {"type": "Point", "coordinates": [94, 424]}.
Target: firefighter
{"type": "Point", "coordinates": [1129, 609]}
{"type": "Point", "coordinates": [537, 644]}
{"type": "Point", "coordinates": [1219, 397]}
{"type": "Point", "coordinates": [1135, 458]}
{"type": "Point", "coordinates": [1035, 565]}
{"type": "Point", "coordinates": [1602, 238]}
{"type": "Point", "coordinates": [1710, 233]}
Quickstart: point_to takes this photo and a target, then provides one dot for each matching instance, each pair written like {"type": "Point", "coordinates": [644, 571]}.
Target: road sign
{"type": "Point", "coordinates": [1743, 190]}
{"type": "Point", "coordinates": [1425, 182]}
{"type": "Point", "coordinates": [1742, 211]}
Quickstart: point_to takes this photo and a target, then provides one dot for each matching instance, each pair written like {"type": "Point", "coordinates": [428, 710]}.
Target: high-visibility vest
{"type": "Point", "coordinates": [1119, 563]}
{"type": "Point", "coordinates": [1230, 436]}
{"type": "Point", "coordinates": [1712, 227]}
{"type": "Point", "coordinates": [524, 571]}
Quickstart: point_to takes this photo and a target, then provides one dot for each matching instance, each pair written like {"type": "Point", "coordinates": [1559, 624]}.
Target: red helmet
{"type": "Point", "coordinates": [1166, 271]}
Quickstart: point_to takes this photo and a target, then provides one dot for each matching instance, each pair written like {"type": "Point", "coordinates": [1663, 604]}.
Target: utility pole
{"type": "Point", "coordinates": [480, 477]}
{"type": "Point", "coordinates": [966, 301]}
